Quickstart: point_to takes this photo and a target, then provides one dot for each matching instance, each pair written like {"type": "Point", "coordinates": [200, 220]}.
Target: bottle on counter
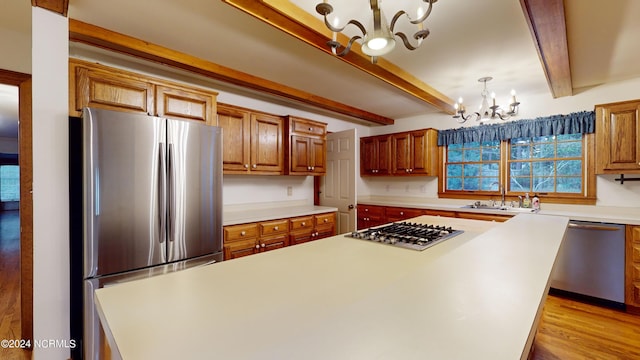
{"type": "Point", "coordinates": [526, 202]}
{"type": "Point", "coordinates": [535, 202]}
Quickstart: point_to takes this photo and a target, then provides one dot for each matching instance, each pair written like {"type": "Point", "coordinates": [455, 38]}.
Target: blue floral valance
{"type": "Point", "coordinates": [575, 123]}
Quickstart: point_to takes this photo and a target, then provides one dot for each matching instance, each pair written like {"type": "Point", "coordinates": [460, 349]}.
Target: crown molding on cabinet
{"type": "Point", "coordinates": [113, 41]}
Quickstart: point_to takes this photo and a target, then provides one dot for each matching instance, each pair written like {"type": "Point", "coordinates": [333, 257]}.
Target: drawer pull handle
{"type": "Point", "coordinates": [275, 228]}
{"type": "Point", "coordinates": [263, 245]}
{"type": "Point", "coordinates": [325, 220]}
{"type": "Point", "coordinates": [304, 224]}
{"type": "Point", "coordinates": [243, 233]}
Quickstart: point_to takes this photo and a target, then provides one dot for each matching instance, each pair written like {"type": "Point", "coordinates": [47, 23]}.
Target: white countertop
{"type": "Point", "coordinates": [234, 217]}
{"type": "Point", "coordinates": [475, 296]}
{"type": "Point", "coordinates": [610, 214]}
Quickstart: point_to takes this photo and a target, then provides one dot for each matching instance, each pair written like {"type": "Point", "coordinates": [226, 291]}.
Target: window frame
{"type": "Point", "coordinates": [586, 197]}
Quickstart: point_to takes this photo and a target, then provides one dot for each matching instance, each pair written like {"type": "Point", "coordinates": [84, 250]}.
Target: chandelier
{"type": "Point", "coordinates": [380, 39]}
{"type": "Point", "coordinates": [486, 112]}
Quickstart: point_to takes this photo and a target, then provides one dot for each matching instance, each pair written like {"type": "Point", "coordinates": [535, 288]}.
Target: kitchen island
{"type": "Point", "coordinates": [478, 295]}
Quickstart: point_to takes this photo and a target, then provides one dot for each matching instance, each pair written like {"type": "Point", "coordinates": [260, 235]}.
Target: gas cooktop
{"type": "Point", "coordinates": [407, 235]}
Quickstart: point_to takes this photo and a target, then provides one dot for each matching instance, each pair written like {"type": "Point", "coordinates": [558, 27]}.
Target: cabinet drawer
{"type": "Point", "coordinates": [308, 127]}
{"type": "Point", "coordinates": [370, 210]}
{"type": "Point", "coordinates": [274, 227]}
{"type": "Point", "coordinates": [303, 222]}
{"type": "Point", "coordinates": [440, 213]}
{"type": "Point", "coordinates": [324, 219]}
{"type": "Point", "coordinates": [401, 213]}
{"type": "Point", "coordinates": [240, 248]}
{"type": "Point", "coordinates": [240, 232]}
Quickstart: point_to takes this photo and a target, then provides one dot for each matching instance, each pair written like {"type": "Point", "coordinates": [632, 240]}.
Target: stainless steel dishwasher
{"type": "Point", "coordinates": [590, 262]}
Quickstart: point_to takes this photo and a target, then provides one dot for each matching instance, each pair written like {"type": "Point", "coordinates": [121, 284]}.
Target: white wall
{"type": "Point", "coordinates": [609, 192]}
{"type": "Point", "coordinates": [50, 182]}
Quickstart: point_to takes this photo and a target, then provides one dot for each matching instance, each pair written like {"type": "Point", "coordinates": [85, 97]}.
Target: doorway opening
{"type": "Point", "coordinates": [16, 211]}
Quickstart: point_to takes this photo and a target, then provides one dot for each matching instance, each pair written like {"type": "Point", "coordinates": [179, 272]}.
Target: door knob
{"type": "Point", "coordinates": [350, 207]}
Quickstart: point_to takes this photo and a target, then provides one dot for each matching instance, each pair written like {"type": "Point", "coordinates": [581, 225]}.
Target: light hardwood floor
{"type": "Point", "coordinates": [569, 330]}
{"type": "Point", "coordinates": [10, 284]}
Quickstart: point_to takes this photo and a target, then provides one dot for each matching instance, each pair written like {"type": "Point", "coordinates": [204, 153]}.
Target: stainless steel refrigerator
{"type": "Point", "coordinates": [146, 196]}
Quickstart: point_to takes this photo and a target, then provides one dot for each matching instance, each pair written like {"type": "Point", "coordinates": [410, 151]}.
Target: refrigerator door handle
{"type": "Point", "coordinates": [162, 190]}
{"type": "Point", "coordinates": [171, 194]}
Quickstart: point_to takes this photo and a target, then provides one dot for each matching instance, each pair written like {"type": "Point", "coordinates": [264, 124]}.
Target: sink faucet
{"type": "Point", "coordinates": [501, 189]}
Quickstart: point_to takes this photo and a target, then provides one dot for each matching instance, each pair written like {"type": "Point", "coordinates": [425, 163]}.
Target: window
{"type": "Point", "coordinates": [548, 164]}
{"type": "Point", "coordinates": [9, 183]}
{"type": "Point", "coordinates": [555, 167]}
{"type": "Point", "coordinates": [473, 166]}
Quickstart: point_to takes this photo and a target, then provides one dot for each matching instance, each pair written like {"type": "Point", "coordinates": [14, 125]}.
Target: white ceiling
{"type": "Point", "coordinates": [468, 40]}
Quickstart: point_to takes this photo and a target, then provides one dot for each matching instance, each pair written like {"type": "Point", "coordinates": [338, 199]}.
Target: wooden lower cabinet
{"type": "Point", "coordinates": [309, 228]}
{"type": "Point", "coordinates": [632, 271]}
{"type": "Point", "coordinates": [375, 215]}
{"type": "Point", "coordinates": [252, 238]}
{"type": "Point", "coordinates": [370, 215]}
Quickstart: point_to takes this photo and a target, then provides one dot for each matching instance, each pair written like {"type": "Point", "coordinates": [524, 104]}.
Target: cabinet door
{"type": "Point", "coordinates": [324, 231]}
{"type": "Point", "coordinates": [188, 104]}
{"type": "Point", "coordinates": [384, 155]}
{"type": "Point", "coordinates": [318, 148]}
{"type": "Point", "coordinates": [423, 152]}
{"type": "Point", "coordinates": [632, 271]}
{"type": "Point", "coordinates": [236, 139]}
{"type": "Point", "coordinates": [618, 138]}
{"type": "Point", "coordinates": [401, 152]}
{"type": "Point", "coordinates": [485, 217]}
{"type": "Point", "coordinates": [274, 242]}
{"type": "Point", "coordinates": [238, 249]}
{"type": "Point", "coordinates": [300, 154]}
{"type": "Point", "coordinates": [375, 155]}
{"type": "Point", "coordinates": [299, 237]}
{"type": "Point", "coordinates": [267, 147]}
{"type": "Point", "coordinates": [368, 156]}
{"type": "Point", "coordinates": [113, 91]}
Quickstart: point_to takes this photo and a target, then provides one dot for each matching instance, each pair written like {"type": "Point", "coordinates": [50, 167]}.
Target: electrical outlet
{"type": "Point", "coordinates": [289, 190]}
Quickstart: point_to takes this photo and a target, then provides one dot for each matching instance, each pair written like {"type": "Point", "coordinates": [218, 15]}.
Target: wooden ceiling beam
{"type": "Point", "coordinates": [549, 31]}
{"type": "Point", "coordinates": [113, 41]}
{"type": "Point", "coordinates": [294, 21]}
{"type": "Point", "coordinates": [59, 6]}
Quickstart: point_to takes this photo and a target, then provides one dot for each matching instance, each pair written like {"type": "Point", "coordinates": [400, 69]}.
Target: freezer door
{"type": "Point", "coordinates": [194, 189]}
{"type": "Point", "coordinates": [93, 336]}
{"type": "Point", "coordinates": [123, 166]}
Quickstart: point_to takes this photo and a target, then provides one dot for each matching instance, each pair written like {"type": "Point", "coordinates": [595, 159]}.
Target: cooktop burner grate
{"type": "Point", "coordinates": [407, 235]}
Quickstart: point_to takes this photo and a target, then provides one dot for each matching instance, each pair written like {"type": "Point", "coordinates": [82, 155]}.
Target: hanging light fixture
{"type": "Point", "coordinates": [487, 112]}
{"type": "Point", "coordinates": [380, 40]}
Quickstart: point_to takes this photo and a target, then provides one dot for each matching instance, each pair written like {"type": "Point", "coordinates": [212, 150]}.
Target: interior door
{"type": "Point", "coordinates": [338, 186]}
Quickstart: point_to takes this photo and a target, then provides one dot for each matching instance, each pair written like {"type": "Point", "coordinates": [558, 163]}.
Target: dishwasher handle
{"type": "Point", "coordinates": [573, 225]}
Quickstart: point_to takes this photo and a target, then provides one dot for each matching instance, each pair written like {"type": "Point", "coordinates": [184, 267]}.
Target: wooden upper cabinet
{"type": "Point", "coordinates": [109, 90]}
{"type": "Point", "coordinates": [99, 86]}
{"type": "Point", "coordinates": [375, 155]}
{"type": "Point", "coordinates": [267, 145]}
{"type": "Point", "coordinates": [618, 138]}
{"type": "Point", "coordinates": [183, 103]}
{"type": "Point", "coordinates": [416, 153]}
{"type": "Point", "coordinates": [307, 146]}
{"type": "Point", "coordinates": [236, 138]}
{"type": "Point", "coordinates": [252, 142]}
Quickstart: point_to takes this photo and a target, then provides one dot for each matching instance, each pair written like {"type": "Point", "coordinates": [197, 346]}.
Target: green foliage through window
{"type": "Point", "coordinates": [547, 164]}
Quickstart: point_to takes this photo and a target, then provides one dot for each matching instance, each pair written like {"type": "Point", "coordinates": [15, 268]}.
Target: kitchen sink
{"type": "Point", "coordinates": [482, 206]}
